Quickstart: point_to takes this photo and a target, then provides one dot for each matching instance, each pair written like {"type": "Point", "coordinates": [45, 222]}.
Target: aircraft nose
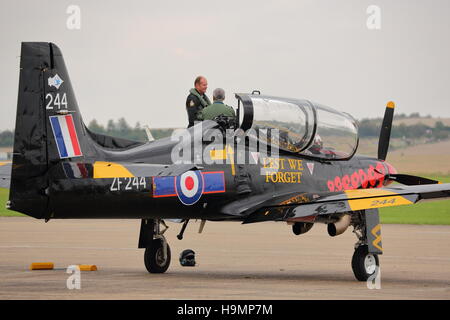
{"type": "Point", "coordinates": [390, 168]}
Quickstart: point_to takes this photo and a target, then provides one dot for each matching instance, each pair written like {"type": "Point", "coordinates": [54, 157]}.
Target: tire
{"type": "Point", "coordinates": [364, 264]}
{"type": "Point", "coordinates": [153, 258]}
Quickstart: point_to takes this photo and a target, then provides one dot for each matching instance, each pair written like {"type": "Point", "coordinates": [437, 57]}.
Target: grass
{"type": "Point", "coordinates": [422, 213]}
{"type": "Point", "coordinates": [436, 213]}
{"type": "Point", "coordinates": [4, 193]}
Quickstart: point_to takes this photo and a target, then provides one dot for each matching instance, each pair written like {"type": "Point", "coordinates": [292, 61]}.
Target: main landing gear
{"type": "Point", "coordinates": [365, 262]}
{"type": "Point", "coordinates": [157, 254]}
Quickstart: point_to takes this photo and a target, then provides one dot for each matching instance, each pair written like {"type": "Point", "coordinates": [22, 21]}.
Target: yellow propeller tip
{"type": "Point", "coordinates": [391, 104]}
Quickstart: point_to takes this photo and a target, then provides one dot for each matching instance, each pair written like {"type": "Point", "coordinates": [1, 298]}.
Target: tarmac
{"type": "Point", "coordinates": [258, 261]}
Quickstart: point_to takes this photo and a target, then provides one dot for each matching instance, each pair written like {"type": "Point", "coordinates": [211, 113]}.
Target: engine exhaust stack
{"type": "Point", "coordinates": [339, 227]}
{"type": "Point", "coordinates": [301, 227]}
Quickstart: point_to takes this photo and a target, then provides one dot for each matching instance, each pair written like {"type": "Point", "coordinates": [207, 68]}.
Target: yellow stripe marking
{"type": "Point", "coordinates": [3, 163]}
{"type": "Point", "coordinates": [110, 170]}
{"type": "Point", "coordinates": [372, 203]}
{"type": "Point", "coordinates": [376, 242]}
{"type": "Point", "coordinates": [374, 198]}
{"type": "Point", "coordinates": [218, 154]}
{"type": "Point", "coordinates": [224, 154]}
{"type": "Point", "coordinates": [362, 193]}
{"type": "Point", "coordinates": [231, 153]}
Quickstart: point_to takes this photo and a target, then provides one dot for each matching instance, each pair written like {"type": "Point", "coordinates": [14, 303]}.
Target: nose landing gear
{"type": "Point", "coordinates": [365, 262]}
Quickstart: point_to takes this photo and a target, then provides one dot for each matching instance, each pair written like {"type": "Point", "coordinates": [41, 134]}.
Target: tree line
{"type": "Point", "coordinates": [122, 129]}
{"type": "Point", "coordinates": [119, 128]}
{"type": "Point", "coordinates": [367, 128]}
{"type": "Point", "coordinates": [370, 128]}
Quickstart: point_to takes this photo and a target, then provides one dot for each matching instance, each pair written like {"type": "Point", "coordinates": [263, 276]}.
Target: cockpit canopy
{"type": "Point", "coordinates": [299, 126]}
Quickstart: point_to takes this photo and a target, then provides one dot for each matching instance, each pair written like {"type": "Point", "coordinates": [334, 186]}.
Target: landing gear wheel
{"type": "Point", "coordinates": [154, 258]}
{"type": "Point", "coordinates": [364, 264]}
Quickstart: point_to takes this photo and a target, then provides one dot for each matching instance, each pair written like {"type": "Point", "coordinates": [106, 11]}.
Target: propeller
{"type": "Point", "coordinates": [383, 146]}
{"type": "Point", "coordinates": [385, 132]}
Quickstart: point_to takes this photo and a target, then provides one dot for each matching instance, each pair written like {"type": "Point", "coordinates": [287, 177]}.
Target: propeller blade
{"type": "Point", "coordinates": [410, 180]}
{"type": "Point", "coordinates": [385, 132]}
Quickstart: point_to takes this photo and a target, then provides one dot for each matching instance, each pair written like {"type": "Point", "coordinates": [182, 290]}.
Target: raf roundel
{"type": "Point", "coordinates": [189, 187]}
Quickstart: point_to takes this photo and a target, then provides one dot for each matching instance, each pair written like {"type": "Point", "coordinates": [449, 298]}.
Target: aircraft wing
{"type": "Point", "coordinates": [354, 200]}
{"type": "Point", "coordinates": [291, 206]}
{"type": "Point", "coordinates": [5, 174]}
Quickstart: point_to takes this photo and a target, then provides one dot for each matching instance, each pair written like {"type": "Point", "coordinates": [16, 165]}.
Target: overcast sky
{"type": "Point", "coordinates": [138, 59]}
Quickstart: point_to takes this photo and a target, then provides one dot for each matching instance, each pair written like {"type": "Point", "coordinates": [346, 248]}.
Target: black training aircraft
{"type": "Point", "coordinates": [299, 167]}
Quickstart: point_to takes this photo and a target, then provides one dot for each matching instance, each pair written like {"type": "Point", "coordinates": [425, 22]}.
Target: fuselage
{"type": "Point", "coordinates": [128, 184]}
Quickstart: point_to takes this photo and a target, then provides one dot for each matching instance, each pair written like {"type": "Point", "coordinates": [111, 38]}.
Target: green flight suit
{"type": "Point", "coordinates": [195, 102]}
{"type": "Point", "coordinates": [216, 109]}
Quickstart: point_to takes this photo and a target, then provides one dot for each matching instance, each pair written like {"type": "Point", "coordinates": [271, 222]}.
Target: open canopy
{"type": "Point", "coordinates": [299, 126]}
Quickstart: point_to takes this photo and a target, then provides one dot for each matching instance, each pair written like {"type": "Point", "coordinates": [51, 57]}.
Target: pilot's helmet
{"type": "Point", "coordinates": [187, 258]}
{"type": "Point", "coordinates": [317, 143]}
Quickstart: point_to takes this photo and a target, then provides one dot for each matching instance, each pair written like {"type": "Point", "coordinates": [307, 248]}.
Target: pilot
{"type": "Point", "coordinates": [317, 146]}
{"type": "Point", "coordinates": [218, 108]}
{"type": "Point", "coordinates": [197, 99]}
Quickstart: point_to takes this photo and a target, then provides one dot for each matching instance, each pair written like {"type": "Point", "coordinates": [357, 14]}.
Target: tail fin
{"type": "Point", "coordinates": [49, 130]}
{"type": "Point", "coordinates": [48, 126]}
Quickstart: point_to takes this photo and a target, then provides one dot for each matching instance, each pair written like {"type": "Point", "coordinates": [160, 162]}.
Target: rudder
{"type": "Point", "coordinates": [48, 129]}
